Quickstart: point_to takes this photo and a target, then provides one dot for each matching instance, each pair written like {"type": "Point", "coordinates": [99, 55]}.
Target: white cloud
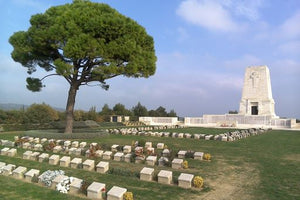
{"type": "Point", "coordinates": [290, 48]}
{"type": "Point", "coordinates": [291, 28]}
{"type": "Point", "coordinates": [243, 62]}
{"type": "Point", "coordinates": [207, 14]}
{"type": "Point", "coordinates": [246, 8]}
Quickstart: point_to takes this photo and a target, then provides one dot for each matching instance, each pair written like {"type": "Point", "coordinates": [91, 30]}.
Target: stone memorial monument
{"type": "Point", "coordinates": [257, 92]}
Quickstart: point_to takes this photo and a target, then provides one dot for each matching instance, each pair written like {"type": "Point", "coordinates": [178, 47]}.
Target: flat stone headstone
{"type": "Point", "coordinates": [75, 186]}
{"type": "Point", "coordinates": [75, 144]}
{"type": "Point", "coordinates": [197, 136]}
{"type": "Point", "coordinates": [187, 135]}
{"type": "Point", "coordinates": [4, 151]}
{"type": "Point", "coordinates": [162, 161]}
{"type": "Point", "coordinates": [114, 148]}
{"type": "Point", "coordinates": [165, 176]}
{"type": "Point", "coordinates": [78, 152]}
{"type": "Point", "coordinates": [43, 140]}
{"type": "Point", "coordinates": [116, 193]}
{"type": "Point", "coordinates": [38, 147]}
{"type": "Point", "coordinates": [30, 174]}
{"type": "Point", "coordinates": [43, 157]}
{"type": "Point", "coordinates": [82, 144]}
{"type": "Point", "coordinates": [185, 180]}
{"type": "Point", "coordinates": [146, 174]}
{"type": "Point", "coordinates": [34, 156]}
{"type": "Point", "coordinates": [12, 152]}
{"type": "Point", "coordinates": [54, 159]}
{"type": "Point", "coordinates": [177, 163]}
{"type": "Point", "coordinates": [95, 190]}
{"type": "Point", "coordinates": [67, 143]}
{"type": "Point", "coordinates": [107, 155]}
{"type": "Point", "coordinates": [118, 156]}
{"type": "Point", "coordinates": [102, 167]}
{"type": "Point", "coordinates": [88, 165]}
{"type": "Point", "coordinates": [127, 158]}
{"type": "Point", "coordinates": [181, 154]}
{"type": "Point", "coordinates": [160, 146]}
{"type": "Point", "coordinates": [148, 145]}
{"type": "Point", "coordinates": [57, 180]}
{"type": "Point", "coordinates": [180, 135]}
{"type": "Point", "coordinates": [99, 153]}
{"type": "Point", "coordinates": [57, 149]}
{"type": "Point", "coordinates": [165, 152]}
{"type": "Point", "coordinates": [27, 155]}
{"type": "Point", "coordinates": [126, 149]}
{"type": "Point", "coordinates": [151, 160]}
{"type": "Point", "coordinates": [19, 172]}
{"type": "Point", "coordinates": [25, 145]}
{"type": "Point", "coordinates": [72, 150]}
{"type": "Point", "coordinates": [198, 155]}
{"type": "Point", "coordinates": [65, 161]}
{"type": "Point", "coordinates": [7, 169]}
{"type": "Point", "coordinates": [76, 163]}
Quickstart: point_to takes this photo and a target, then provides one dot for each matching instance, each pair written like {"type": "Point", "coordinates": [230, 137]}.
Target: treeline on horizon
{"type": "Point", "coordinates": [44, 113]}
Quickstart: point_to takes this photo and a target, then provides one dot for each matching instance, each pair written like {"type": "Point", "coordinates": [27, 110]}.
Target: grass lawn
{"type": "Point", "coordinates": [259, 167]}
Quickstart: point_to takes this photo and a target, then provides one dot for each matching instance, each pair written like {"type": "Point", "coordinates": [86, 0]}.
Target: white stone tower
{"type": "Point", "coordinates": [257, 93]}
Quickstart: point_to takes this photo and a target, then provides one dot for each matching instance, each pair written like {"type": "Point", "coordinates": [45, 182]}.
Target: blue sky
{"type": "Point", "coordinates": [203, 48]}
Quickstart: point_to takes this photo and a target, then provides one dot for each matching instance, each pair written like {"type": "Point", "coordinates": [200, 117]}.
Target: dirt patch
{"type": "Point", "coordinates": [292, 157]}
{"type": "Point", "coordinates": [231, 182]}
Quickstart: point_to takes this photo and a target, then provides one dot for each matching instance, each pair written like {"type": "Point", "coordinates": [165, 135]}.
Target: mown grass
{"type": "Point", "coordinates": [275, 156]}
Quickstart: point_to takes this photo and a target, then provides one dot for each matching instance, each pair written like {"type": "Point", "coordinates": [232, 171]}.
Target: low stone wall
{"type": "Point", "coordinates": [236, 120]}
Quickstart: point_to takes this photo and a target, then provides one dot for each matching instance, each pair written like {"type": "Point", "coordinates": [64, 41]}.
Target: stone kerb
{"type": "Point", "coordinates": [146, 174]}
{"type": "Point", "coordinates": [95, 190]}
{"type": "Point", "coordinates": [19, 172]}
{"type": "Point", "coordinates": [116, 193]}
{"type": "Point", "coordinates": [165, 177]}
{"type": "Point", "coordinates": [102, 167]}
{"type": "Point", "coordinates": [185, 180]}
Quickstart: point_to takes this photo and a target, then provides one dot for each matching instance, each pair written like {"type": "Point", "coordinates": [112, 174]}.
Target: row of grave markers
{"type": "Point", "coordinates": [62, 183]}
{"type": "Point", "coordinates": [224, 137]}
{"type": "Point", "coordinates": [146, 174]}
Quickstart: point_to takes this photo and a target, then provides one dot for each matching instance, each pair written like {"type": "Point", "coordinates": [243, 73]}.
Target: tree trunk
{"type": "Point", "coordinates": [70, 109]}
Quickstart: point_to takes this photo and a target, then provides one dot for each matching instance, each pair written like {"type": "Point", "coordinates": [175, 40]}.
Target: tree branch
{"type": "Point", "coordinates": [49, 75]}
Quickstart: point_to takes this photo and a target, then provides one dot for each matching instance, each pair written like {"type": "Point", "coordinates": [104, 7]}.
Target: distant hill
{"type": "Point", "coordinates": [14, 106]}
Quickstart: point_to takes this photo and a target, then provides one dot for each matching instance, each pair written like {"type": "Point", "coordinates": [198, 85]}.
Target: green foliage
{"type": "Point", "coordinates": [119, 109]}
{"type": "Point", "coordinates": [84, 42]}
{"type": "Point", "coordinates": [139, 110]}
{"type": "Point", "coordinates": [41, 113]}
{"type": "Point", "coordinates": [34, 84]}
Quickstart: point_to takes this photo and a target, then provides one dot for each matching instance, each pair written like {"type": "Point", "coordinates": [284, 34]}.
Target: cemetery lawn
{"type": "Point", "coordinates": [259, 167]}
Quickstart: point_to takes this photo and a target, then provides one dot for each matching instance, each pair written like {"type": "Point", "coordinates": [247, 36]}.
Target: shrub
{"type": "Point", "coordinates": [207, 156]}
{"type": "Point", "coordinates": [84, 187]}
{"type": "Point", "coordinates": [128, 196]}
{"type": "Point", "coordinates": [189, 154]}
{"type": "Point", "coordinates": [198, 181]}
{"type": "Point", "coordinates": [185, 164]}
